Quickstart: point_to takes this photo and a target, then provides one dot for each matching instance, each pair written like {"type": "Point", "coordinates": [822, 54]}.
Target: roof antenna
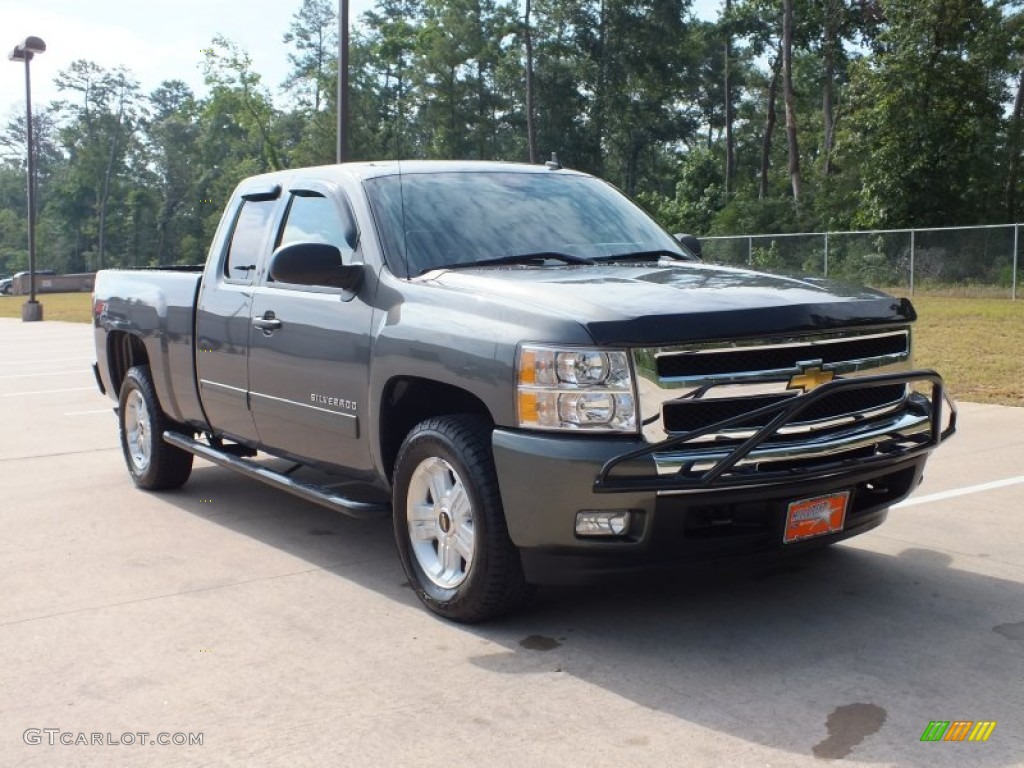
{"type": "Point", "coordinates": [553, 164]}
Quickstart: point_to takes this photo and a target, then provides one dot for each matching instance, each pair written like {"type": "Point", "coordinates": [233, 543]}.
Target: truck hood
{"type": "Point", "coordinates": [662, 304]}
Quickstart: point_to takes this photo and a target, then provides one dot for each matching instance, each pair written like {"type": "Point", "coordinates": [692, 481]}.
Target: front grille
{"type": "Point", "coordinates": [743, 360]}
{"type": "Point", "coordinates": [689, 415]}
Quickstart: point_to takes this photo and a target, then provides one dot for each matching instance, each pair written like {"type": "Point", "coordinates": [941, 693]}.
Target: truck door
{"type": "Point", "coordinates": [309, 349]}
{"type": "Point", "coordinates": [223, 318]}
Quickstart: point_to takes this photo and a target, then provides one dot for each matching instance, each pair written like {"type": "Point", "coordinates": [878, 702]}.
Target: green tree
{"type": "Point", "coordinates": [927, 115]}
{"type": "Point", "coordinates": [386, 80]}
{"type": "Point", "coordinates": [172, 134]}
{"type": "Point", "coordinates": [313, 32]}
{"type": "Point", "coordinates": [99, 136]}
{"type": "Point", "coordinates": [237, 96]}
{"type": "Point", "coordinates": [459, 48]}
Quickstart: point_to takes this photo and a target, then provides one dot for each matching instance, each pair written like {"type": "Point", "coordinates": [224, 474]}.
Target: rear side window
{"type": "Point", "coordinates": [248, 240]}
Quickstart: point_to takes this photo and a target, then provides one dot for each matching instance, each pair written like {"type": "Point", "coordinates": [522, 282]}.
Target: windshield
{"type": "Point", "coordinates": [431, 220]}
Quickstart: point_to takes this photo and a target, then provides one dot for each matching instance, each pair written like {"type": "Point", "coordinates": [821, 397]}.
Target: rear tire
{"type": "Point", "coordinates": [449, 523]}
{"type": "Point", "coordinates": [153, 464]}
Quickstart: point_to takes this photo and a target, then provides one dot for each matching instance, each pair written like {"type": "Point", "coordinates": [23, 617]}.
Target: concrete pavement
{"type": "Point", "coordinates": [286, 635]}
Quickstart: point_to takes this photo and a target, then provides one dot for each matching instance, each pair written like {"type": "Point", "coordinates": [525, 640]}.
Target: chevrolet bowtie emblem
{"type": "Point", "coordinates": [810, 378]}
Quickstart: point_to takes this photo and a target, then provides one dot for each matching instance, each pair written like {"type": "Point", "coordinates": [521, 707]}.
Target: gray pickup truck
{"type": "Point", "coordinates": [520, 366]}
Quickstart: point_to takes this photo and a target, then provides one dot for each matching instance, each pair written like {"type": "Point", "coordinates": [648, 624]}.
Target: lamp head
{"type": "Point", "coordinates": [34, 44]}
{"type": "Point", "coordinates": [26, 49]}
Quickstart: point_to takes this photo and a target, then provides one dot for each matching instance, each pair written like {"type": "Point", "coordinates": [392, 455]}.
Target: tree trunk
{"type": "Point", "coordinates": [769, 126]}
{"type": "Point", "coordinates": [162, 225]}
{"type": "Point", "coordinates": [1013, 166]}
{"type": "Point", "coordinates": [632, 163]}
{"type": "Point", "coordinates": [787, 86]}
{"type": "Point", "coordinates": [105, 194]}
{"type": "Point", "coordinates": [320, 42]}
{"type": "Point", "coordinates": [601, 86]}
{"type": "Point", "coordinates": [531, 129]}
{"type": "Point", "coordinates": [829, 47]}
{"type": "Point", "coordinates": [451, 114]}
{"type": "Point", "coordinates": [399, 113]}
{"type": "Point", "coordinates": [481, 85]}
{"type": "Point", "coordinates": [730, 143]}
{"type": "Point", "coordinates": [481, 112]}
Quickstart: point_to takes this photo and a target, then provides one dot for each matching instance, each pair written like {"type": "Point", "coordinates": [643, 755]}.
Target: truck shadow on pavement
{"type": "Point", "coordinates": [843, 653]}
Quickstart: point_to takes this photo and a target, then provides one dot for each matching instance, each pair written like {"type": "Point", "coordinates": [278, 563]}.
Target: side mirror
{"type": "Point", "coordinates": [314, 264]}
{"type": "Point", "coordinates": [690, 243]}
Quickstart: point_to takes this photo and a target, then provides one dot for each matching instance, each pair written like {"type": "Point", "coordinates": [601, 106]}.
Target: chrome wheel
{"type": "Point", "coordinates": [442, 530]}
{"type": "Point", "coordinates": [138, 430]}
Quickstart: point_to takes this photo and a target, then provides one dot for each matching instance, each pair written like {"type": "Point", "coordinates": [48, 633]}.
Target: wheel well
{"type": "Point", "coordinates": [123, 352]}
{"type": "Point", "coordinates": [408, 400]}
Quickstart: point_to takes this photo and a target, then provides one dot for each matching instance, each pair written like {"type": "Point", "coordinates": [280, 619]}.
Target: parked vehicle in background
{"type": "Point", "coordinates": [39, 272]}
{"type": "Point", "coordinates": [5, 285]}
{"type": "Point", "coordinates": [20, 280]}
{"type": "Point", "coordinates": [534, 379]}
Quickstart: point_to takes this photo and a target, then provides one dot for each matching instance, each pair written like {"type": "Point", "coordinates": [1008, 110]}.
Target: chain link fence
{"type": "Point", "coordinates": [958, 261]}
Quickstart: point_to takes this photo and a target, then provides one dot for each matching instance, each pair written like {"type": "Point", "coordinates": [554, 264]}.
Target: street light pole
{"type": "Point", "coordinates": [31, 310]}
{"type": "Point", "coordinates": [343, 121]}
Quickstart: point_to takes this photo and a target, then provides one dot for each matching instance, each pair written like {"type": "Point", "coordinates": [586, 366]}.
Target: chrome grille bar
{"type": "Point", "coordinates": [840, 355]}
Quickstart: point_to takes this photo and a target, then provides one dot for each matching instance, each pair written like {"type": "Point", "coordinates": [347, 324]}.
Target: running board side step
{"type": "Point", "coordinates": [362, 510]}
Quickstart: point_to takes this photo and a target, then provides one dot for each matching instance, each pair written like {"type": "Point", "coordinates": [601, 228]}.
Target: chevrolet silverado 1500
{"type": "Point", "coordinates": [520, 366]}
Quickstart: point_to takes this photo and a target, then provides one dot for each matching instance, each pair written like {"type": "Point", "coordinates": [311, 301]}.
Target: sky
{"type": "Point", "coordinates": [156, 41]}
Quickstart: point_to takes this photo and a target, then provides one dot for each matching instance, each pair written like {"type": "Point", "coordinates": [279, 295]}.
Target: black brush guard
{"type": "Point", "coordinates": [892, 449]}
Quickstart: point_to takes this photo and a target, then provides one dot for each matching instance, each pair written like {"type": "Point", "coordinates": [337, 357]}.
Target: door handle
{"type": "Point", "coordinates": [268, 323]}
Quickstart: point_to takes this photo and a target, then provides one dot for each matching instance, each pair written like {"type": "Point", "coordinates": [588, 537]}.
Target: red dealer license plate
{"type": "Point", "coordinates": [819, 516]}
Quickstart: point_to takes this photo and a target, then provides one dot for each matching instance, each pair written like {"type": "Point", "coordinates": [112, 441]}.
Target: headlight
{"type": "Point", "coordinates": [585, 389]}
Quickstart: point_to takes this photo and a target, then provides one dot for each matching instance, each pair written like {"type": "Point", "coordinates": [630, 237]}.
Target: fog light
{"type": "Point", "coordinates": [613, 522]}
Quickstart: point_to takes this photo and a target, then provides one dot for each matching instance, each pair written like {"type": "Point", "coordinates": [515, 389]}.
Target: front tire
{"type": "Point", "coordinates": [153, 464]}
{"type": "Point", "coordinates": [449, 523]}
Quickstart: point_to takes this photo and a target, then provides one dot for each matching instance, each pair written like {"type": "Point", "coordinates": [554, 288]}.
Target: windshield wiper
{"type": "Point", "coordinates": [647, 256]}
{"type": "Point", "coordinates": [518, 258]}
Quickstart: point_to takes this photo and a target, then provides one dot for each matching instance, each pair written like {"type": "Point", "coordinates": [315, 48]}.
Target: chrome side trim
{"type": "Point", "coordinates": [303, 405]}
{"type": "Point", "coordinates": [224, 387]}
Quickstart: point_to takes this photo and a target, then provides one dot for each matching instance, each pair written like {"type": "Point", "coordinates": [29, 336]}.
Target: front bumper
{"type": "Point", "coordinates": [731, 506]}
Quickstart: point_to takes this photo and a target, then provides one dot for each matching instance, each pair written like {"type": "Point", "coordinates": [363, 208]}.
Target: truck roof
{"type": "Point", "coordinates": [376, 168]}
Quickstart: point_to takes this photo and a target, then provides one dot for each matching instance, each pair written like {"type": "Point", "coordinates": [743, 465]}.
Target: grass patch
{"type": "Point", "coordinates": [73, 307]}
{"type": "Point", "coordinates": [976, 344]}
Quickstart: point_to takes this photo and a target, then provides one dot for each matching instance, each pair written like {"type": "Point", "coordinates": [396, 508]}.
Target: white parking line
{"type": "Point", "coordinates": [87, 413]}
{"type": "Point", "coordinates": [39, 360]}
{"type": "Point", "coordinates": [960, 492]}
{"type": "Point", "coordinates": [49, 373]}
{"type": "Point", "coordinates": [48, 391]}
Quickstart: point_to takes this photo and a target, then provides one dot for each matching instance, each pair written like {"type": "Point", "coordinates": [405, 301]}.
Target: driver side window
{"type": "Point", "coordinates": [312, 218]}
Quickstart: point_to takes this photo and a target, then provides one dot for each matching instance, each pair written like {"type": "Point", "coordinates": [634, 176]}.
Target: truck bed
{"type": "Point", "coordinates": [158, 306]}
